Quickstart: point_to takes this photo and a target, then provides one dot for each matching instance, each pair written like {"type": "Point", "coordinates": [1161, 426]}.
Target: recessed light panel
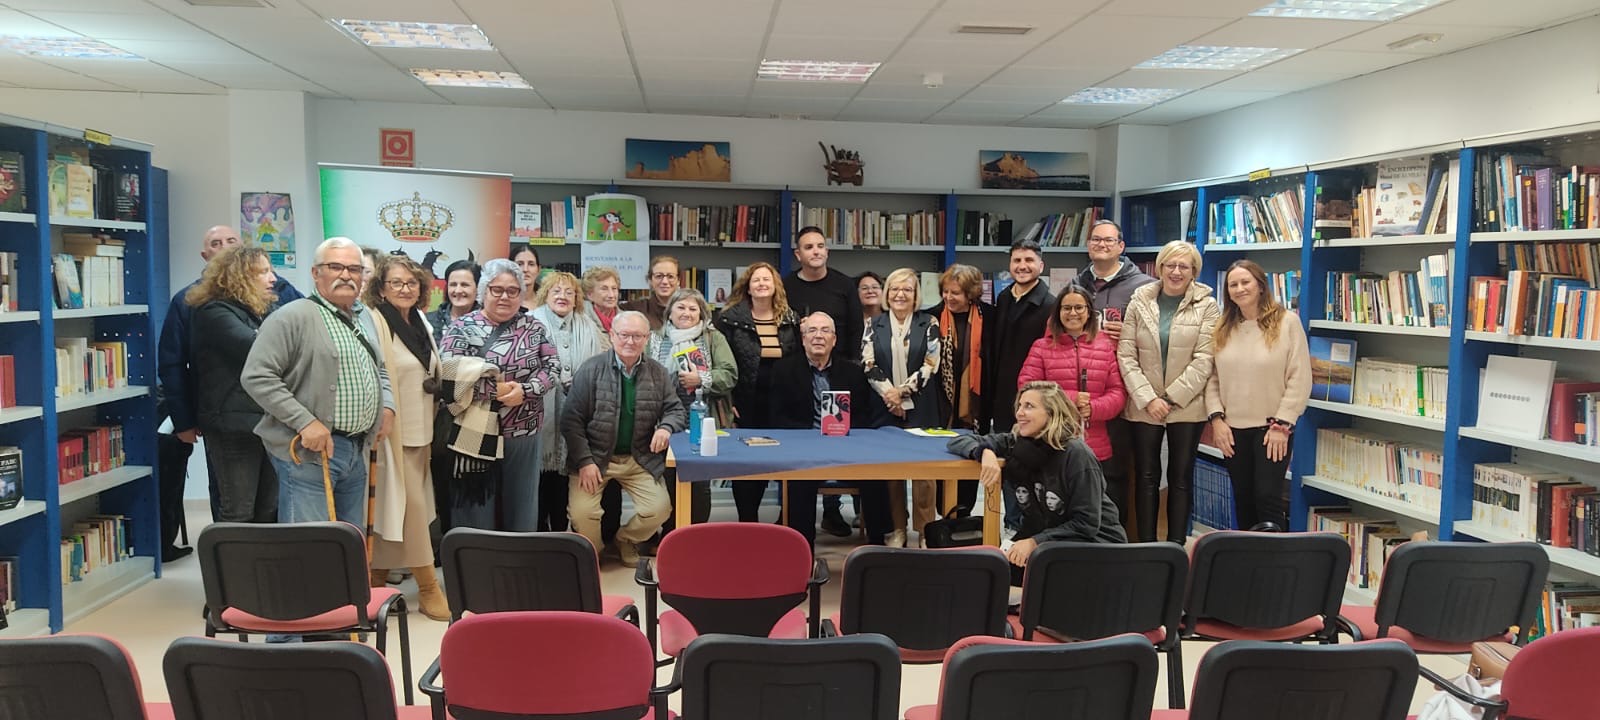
{"type": "Point", "coordinates": [1121, 96]}
{"type": "Point", "coordinates": [816, 70]}
{"type": "Point", "coordinates": [74, 47]}
{"type": "Point", "coordinates": [470, 78]}
{"type": "Point", "coordinates": [1370, 10]}
{"type": "Point", "coordinates": [1215, 57]}
{"type": "Point", "coordinates": [431, 36]}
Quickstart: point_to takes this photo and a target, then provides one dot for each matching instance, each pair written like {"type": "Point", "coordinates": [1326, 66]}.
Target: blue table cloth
{"type": "Point", "coordinates": [803, 449]}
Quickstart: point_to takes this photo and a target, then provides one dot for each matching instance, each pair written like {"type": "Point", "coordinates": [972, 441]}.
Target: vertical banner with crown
{"type": "Point", "coordinates": [435, 217]}
{"type": "Point", "coordinates": [616, 232]}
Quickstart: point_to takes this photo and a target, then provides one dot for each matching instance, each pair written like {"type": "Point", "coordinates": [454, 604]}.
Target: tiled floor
{"type": "Point", "coordinates": [148, 619]}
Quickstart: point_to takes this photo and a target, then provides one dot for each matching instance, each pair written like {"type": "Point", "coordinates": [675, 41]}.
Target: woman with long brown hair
{"type": "Point", "coordinates": [1260, 387]}
{"type": "Point", "coordinates": [760, 329]}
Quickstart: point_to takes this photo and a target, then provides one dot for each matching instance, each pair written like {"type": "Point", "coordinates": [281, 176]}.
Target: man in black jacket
{"type": "Point", "coordinates": [814, 287]}
{"type": "Point", "coordinates": [1021, 313]}
{"type": "Point", "coordinates": [798, 383]}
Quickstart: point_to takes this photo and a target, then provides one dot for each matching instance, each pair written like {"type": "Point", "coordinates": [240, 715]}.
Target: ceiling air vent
{"type": "Point", "coordinates": [229, 3]}
{"type": "Point", "coordinates": [995, 29]}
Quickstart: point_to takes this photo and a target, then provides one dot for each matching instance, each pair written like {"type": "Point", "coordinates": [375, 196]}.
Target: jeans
{"type": "Point", "coordinates": [519, 484]}
{"type": "Point", "coordinates": [245, 476]}
{"type": "Point", "coordinates": [301, 496]}
{"type": "Point", "coordinates": [1259, 487]}
{"type": "Point", "coordinates": [873, 496]}
{"type": "Point", "coordinates": [1183, 441]}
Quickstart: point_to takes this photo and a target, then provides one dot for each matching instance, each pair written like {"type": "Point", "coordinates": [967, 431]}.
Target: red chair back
{"type": "Point", "coordinates": [558, 663]}
{"type": "Point", "coordinates": [737, 578]}
{"type": "Point", "coordinates": [1553, 677]}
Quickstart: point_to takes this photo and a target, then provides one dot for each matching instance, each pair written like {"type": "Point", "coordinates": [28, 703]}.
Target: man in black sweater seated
{"type": "Point", "coordinates": [798, 383]}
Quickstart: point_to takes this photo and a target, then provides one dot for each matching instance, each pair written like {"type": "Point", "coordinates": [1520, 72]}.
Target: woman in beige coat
{"type": "Point", "coordinates": [1165, 354]}
{"type": "Point", "coordinates": [404, 503]}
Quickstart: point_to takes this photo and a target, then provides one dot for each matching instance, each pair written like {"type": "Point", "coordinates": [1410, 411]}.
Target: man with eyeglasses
{"type": "Point", "coordinates": [1113, 279]}
{"type": "Point", "coordinates": [799, 383]}
{"type": "Point", "coordinates": [316, 371]}
{"type": "Point", "coordinates": [620, 413]}
{"type": "Point", "coordinates": [663, 279]}
{"type": "Point", "coordinates": [176, 373]}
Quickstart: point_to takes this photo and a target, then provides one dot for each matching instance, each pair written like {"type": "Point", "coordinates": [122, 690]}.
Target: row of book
{"type": "Point", "coordinates": [95, 281]}
{"type": "Point", "coordinates": [1159, 223]}
{"type": "Point", "coordinates": [89, 451]}
{"type": "Point", "coordinates": [557, 220]}
{"type": "Point", "coordinates": [1284, 286]}
{"type": "Point", "coordinates": [1536, 304]}
{"type": "Point", "coordinates": [713, 224]}
{"type": "Point", "coordinates": [92, 545]}
{"type": "Point", "coordinates": [84, 367]}
{"type": "Point", "coordinates": [1371, 540]}
{"type": "Point", "coordinates": [8, 381]}
{"type": "Point", "coordinates": [984, 229]}
{"type": "Point", "coordinates": [1565, 606]}
{"type": "Point", "coordinates": [10, 281]}
{"type": "Point", "coordinates": [81, 189]}
{"type": "Point", "coordinates": [1520, 190]}
{"type": "Point", "coordinates": [1252, 219]}
{"type": "Point", "coordinates": [855, 227]}
{"type": "Point", "coordinates": [1402, 387]}
{"type": "Point", "coordinates": [1398, 297]}
{"type": "Point", "coordinates": [1065, 229]}
{"type": "Point", "coordinates": [1528, 502]}
{"type": "Point", "coordinates": [1408, 472]}
{"type": "Point", "coordinates": [1409, 196]}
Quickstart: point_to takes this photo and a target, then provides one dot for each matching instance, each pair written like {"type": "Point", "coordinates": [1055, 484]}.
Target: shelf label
{"type": "Point", "coordinates": [1261, 174]}
{"type": "Point", "coordinates": [95, 136]}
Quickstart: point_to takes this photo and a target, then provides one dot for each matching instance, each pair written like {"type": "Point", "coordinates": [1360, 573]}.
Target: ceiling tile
{"type": "Point", "coordinates": [682, 69]}
{"type": "Point", "coordinates": [990, 92]}
{"type": "Point", "coordinates": [1119, 40]}
{"type": "Point", "coordinates": [784, 46]}
{"type": "Point", "coordinates": [976, 120]}
{"type": "Point", "coordinates": [809, 107]}
{"type": "Point", "coordinates": [1060, 122]}
{"type": "Point", "coordinates": [1183, 8]}
{"type": "Point", "coordinates": [543, 64]}
{"type": "Point", "coordinates": [1086, 112]}
{"type": "Point", "coordinates": [689, 103]}
{"type": "Point", "coordinates": [1455, 37]}
{"type": "Point", "coordinates": [406, 58]}
{"type": "Point", "coordinates": [84, 6]}
{"type": "Point", "coordinates": [1079, 76]}
{"type": "Point", "coordinates": [790, 89]}
{"type": "Point", "coordinates": [1013, 109]}
{"type": "Point", "coordinates": [910, 111]}
{"type": "Point", "coordinates": [909, 74]}
{"type": "Point", "coordinates": [960, 50]}
{"type": "Point", "coordinates": [1178, 79]}
{"type": "Point", "coordinates": [581, 84]}
{"type": "Point", "coordinates": [492, 97]}
{"type": "Point", "coordinates": [1270, 81]}
{"type": "Point", "coordinates": [863, 21]}
{"type": "Point", "coordinates": [1210, 101]}
{"type": "Point", "coordinates": [204, 49]}
{"type": "Point", "coordinates": [25, 25]}
{"type": "Point", "coordinates": [403, 10]}
{"type": "Point", "coordinates": [1503, 13]}
{"type": "Point", "coordinates": [124, 26]}
{"type": "Point", "coordinates": [598, 103]}
{"type": "Point", "coordinates": [253, 76]}
{"type": "Point", "coordinates": [1347, 63]}
{"type": "Point", "coordinates": [878, 90]}
{"type": "Point", "coordinates": [657, 29]}
{"type": "Point", "coordinates": [1276, 32]}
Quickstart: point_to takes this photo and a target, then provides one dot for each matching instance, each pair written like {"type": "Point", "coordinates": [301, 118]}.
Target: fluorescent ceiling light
{"type": "Point", "coordinates": [470, 78]}
{"type": "Point", "coordinates": [1215, 57]}
{"type": "Point", "coordinates": [1415, 40]}
{"type": "Point", "coordinates": [74, 47]}
{"type": "Point", "coordinates": [432, 36]}
{"type": "Point", "coordinates": [816, 70]}
{"type": "Point", "coordinates": [1121, 96]}
{"type": "Point", "coordinates": [1370, 10]}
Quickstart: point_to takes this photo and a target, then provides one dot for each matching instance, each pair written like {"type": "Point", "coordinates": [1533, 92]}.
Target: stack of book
{"type": "Point", "coordinates": [93, 544]}
{"type": "Point", "coordinates": [1407, 472]}
{"type": "Point", "coordinates": [1372, 541]}
{"type": "Point", "coordinates": [1402, 387]}
{"type": "Point", "coordinates": [1399, 297]}
{"type": "Point", "coordinates": [1248, 219]}
{"type": "Point", "coordinates": [89, 451]}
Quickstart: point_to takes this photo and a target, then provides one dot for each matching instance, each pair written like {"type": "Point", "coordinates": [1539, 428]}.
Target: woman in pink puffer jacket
{"type": "Point", "coordinates": [1083, 361]}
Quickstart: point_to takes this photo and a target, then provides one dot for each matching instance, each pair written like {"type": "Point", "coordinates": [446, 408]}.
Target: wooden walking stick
{"type": "Point", "coordinates": [372, 494]}
{"type": "Point", "coordinates": [327, 480]}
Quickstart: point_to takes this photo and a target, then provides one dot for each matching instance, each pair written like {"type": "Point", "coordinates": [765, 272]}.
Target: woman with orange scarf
{"type": "Point", "coordinates": [962, 314]}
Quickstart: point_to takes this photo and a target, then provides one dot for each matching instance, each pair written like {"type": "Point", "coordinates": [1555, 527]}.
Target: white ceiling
{"type": "Point", "coordinates": [699, 56]}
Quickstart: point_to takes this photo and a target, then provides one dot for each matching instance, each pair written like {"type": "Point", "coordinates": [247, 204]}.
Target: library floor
{"type": "Point", "coordinates": [148, 619]}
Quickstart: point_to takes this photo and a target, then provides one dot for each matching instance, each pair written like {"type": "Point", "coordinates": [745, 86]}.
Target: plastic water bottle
{"type": "Point", "coordinates": [697, 413]}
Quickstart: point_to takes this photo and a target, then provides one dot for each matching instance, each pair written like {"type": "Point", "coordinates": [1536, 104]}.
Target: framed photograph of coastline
{"type": "Point", "coordinates": [1033, 170]}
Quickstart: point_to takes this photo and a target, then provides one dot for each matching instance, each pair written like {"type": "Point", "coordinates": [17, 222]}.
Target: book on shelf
{"type": "Point", "coordinates": [1516, 499]}
{"type": "Point", "coordinates": [1408, 472]}
{"type": "Point", "coordinates": [559, 219]}
{"type": "Point", "coordinates": [10, 281]}
{"type": "Point", "coordinates": [1404, 388]}
{"type": "Point", "coordinates": [1566, 409]}
{"type": "Point", "coordinates": [10, 477]}
{"type": "Point", "coordinates": [928, 290]}
{"type": "Point", "coordinates": [10, 570]}
{"type": "Point", "coordinates": [1064, 229]}
{"type": "Point", "coordinates": [1247, 219]}
{"type": "Point", "coordinates": [1398, 297]}
{"type": "Point", "coordinates": [1525, 190]}
{"type": "Point", "coordinates": [1060, 278]}
{"type": "Point", "coordinates": [1585, 423]}
{"type": "Point", "coordinates": [1402, 192]}
{"type": "Point", "coordinates": [8, 381]}
{"type": "Point", "coordinates": [1565, 606]}
{"type": "Point", "coordinates": [13, 182]}
{"type": "Point", "coordinates": [1514, 395]}
{"type": "Point", "coordinates": [1284, 286]}
{"type": "Point", "coordinates": [89, 451]}
{"type": "Point", "coordinates": [719, 285]}
{"type": "Point", "coordinates": [69, 293]}
{"type": "Point", "coordinates": [92, 545]}
{"type": "Point", "coordinates": [976, 228]}
{"type": "Point", "coordinates": [712, 224]}
{"type": "Point", "coordinates": [859, 228]}
{"type": "Point", "coordinates": [1372, 540]}
{"type": "Point", "coordinates": [1333, 369]}
{"type": "Point", "coordinates": [85, 367]}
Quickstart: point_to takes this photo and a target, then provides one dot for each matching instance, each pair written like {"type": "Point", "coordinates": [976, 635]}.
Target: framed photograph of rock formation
{"type": "Point", "coordinates": [1033, 170]}
{"type": "Point", "coordinates": [684, 160]}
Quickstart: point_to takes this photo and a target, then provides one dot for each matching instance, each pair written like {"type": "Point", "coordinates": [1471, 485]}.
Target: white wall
{"type": "Point", "coordinates": [1542, 79]}
{"type": "Point", "coordinates": [268, 140]}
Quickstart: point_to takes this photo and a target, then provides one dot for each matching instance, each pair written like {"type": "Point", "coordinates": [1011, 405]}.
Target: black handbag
{"type": "Point", "coordinates": [955, 529]}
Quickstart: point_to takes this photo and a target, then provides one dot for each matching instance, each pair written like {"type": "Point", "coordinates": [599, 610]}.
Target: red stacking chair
{"type": "Point", "coordinates": [1440, 597]}
{"type": "Point", "coordinates": [544, 664]}
{"type": "Point", "coordinates": [735, 578]}
{"type": "Point", "coordinates": [923, 600]}
{"type": "Point", "coordinates": [72, 677]}
{"type": "Point", "coordinates": [296, 579]}
{"type": "Point", "coordinates": [986, 677]}
{"type": "Point", "coordinates": [1279, 587]}
{"type": "Point", "coordinates": [1252, 680]}
{"type": "Point", "coordinates": [489, 571]}
{"type": "Point", "coordinates": [214, 680]}
{"type": "Point", "coordinates": [1552, 678]}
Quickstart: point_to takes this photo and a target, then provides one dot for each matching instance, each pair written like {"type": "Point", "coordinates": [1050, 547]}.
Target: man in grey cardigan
{"type": "Point", "coordinates": [316, 371]}
{"type": "Point", "coordinates": [621, 410]}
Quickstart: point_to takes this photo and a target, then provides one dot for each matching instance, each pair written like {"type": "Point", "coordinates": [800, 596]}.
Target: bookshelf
{"type": "Point", "coordinates": [31, 532]}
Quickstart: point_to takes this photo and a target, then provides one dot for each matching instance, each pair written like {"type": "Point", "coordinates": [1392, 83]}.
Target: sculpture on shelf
{"type": "Point", "coordinates": [843, 166]}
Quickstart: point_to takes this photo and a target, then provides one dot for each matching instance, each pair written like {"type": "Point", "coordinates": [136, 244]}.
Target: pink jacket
{"type": "Point", "coordinates": [1060, 360]}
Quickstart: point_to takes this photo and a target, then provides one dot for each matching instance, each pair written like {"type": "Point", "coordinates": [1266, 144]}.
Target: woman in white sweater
{"type": "Point", "coordinates": [1259, 389]}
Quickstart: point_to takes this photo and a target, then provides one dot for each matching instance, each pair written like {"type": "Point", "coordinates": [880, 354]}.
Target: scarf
{"type": "Point", "coordinates": [577, 338]}
{"type": "Point", "coordinates": [947, 326]}
{"type": "Point", "coordinates": [411, 331]}
{"type": "Point", "coordinates": [604, 317]}
{"type": "Point", "coordinates": [475, 433]}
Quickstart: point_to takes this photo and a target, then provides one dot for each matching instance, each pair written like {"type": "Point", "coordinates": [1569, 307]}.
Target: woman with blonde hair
{"type": "Point", "coordinates": [1165, 356]}
{"type": "Point", "coordinates": [1261, 385]}
{"type": "Point", "coordinates": [1051, 472]}
{"type": "Point", "coordinates": [900, 355]}
{"type": "Point", "coordinates": [232, 298]}
{"type": "Point", "coordinates": [577, 338]}
{"type": "Point", "coordinates": [404, 505]}
{"type": "Point", "coordinates": [699, 358]}
{"type": "Point", "coordinates": [760, 329]}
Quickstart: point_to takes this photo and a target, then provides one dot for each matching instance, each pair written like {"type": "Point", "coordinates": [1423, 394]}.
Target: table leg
{"type": "Point", "coordinates": [683, 503]}
{"type": "Point", "coordinates": [991, 515]}
{"type": "Point", "coordinates": [948, 500]}
{"type": "Point", "coordinates": [783, 500]}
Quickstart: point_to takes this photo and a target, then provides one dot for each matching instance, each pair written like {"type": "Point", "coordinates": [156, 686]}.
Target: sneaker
{"type": "Point", "coordinates": [629, 553]}
{"type": "Point", "coordinates": [833, 524]}
{"type": "Point", "coordinates": [896, 539]}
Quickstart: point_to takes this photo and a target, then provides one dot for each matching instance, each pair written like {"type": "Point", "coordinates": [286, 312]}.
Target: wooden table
{"type": "Point", "coordinates": [934, 464]}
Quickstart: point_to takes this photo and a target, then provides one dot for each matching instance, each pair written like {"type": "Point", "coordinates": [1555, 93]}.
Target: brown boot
{"type": "Point", "coordinates": [377, 577]}
{"type": "Point", "coordinates": [429, 595]}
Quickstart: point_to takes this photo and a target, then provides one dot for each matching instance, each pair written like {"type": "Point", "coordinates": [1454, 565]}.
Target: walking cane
{"type": "Point", "coordinates": [327, 493]}
{"type": "Point", "coordinates": [372, 495]}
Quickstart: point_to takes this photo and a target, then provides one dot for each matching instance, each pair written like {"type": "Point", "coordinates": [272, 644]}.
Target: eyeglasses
{"type": "Point", "coordinates": [504, 292]}
{"type": "Point", "coordinates": [631, 337]}
{"type": "Point", "coordinates": [816, 331]}
{"type": "Point", "coordinates": [402, 284]}
{"type": "Point", "coordinates": [902, 291]}
{"type": "Point", "coordinates": [663, 276]}
{"type": "Point", "coordinates": [1178, 267]}
{"type": "Point", "coordinates": [339, 269]}
{"type": "Point", "coordinates": [1104, 241]}
{"type": "Point", "coordinates": [564, 292]}
{"type": "Point", "coordinates": [1074, 308]}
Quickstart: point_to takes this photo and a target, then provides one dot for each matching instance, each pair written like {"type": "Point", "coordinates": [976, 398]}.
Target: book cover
{"type": "Point", "coordinates": [691, 359]}
{"type": "Point", "coordinates": [80, 191]}
{"type": "Point", "coordinates": [1333, 369]}
{"type": "Point", "coordinates": [13, 182]}
{"type": "Point", "coordinates": [1564, 418]}
{"type": "Point", "coordinates": [69, 293]}
{"type": "Point", "coordinates": [835, 412]}
{"type": "Point", "coordinates": [719, 285]}
{"type": "Point", "coordinates": [1515, 395]}
{"type": "Point", "coordinates": [128, 203]}
{"type": "Point", "coordinates": [1402, 190]}
{"type": "Point", "coordinates": [10, 477]}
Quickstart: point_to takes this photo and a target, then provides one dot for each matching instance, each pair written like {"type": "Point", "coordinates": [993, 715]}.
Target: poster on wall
{"type": "Point", "coordinates": [697, 160]}
{"type": "Point", "coordinates": [435, 217]}
{"type": "Point", "coordinates": [1033, 170]}
{"type": "Point", "coordinates": [267, 219]}
{"type": "Point", "coordinates": [616, 232]}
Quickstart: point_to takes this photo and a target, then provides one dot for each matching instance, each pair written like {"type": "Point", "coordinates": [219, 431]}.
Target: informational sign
{"type": "Point", "coordinates": [616, 232]}
{"type": "Point", "coordinates": [397, 148]}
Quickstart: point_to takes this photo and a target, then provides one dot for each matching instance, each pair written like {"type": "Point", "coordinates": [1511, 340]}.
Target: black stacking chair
{"type": "Point", "coordinates": [214, 680]}
{"type": "Point", "coordinates": [736, 677]}
{"type": "Point", "coordinates": [296, 579]}
{"type": "Point", "coordinates": [1279, 587]}
{"type": "Point", "coordinates": [984, 677]}
{"type": "Point", "coordinates": [1440, 597]}
{"type": "Point", "coordinates": [1278, 681]}
{"type": "Point", "coordinates": [488, 571]}
{"type": "Point", "coordinates": [923, 600]}
{"type": "Point", "coordinates": [72, 677]}
{"type": "Point", "coordinates": [1076, 591]}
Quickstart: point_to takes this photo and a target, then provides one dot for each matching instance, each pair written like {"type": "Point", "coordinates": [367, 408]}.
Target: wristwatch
{"type": "Point", "coordinates": [1217, 416]}
{"type": "Point", "coordinates": [1287, 426]}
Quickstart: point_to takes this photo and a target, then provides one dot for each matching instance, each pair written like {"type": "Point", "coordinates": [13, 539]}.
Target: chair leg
{"type": "Point", "coordinates": [1175, 676]}
{"type": "Point", "coordinates": [405, 655]}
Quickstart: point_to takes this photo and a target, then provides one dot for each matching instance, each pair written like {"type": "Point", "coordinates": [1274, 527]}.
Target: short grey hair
{"type": "Point", "coordinates": [686, 293]}
{"type": "Point", "coordinates": [332, 243]}
{"type": "Point", "coordinates": [819, 315]}
{"type": "Point", "coordinates": [496, 268]}
{"type": "Point", "coordinates": [630, 315]}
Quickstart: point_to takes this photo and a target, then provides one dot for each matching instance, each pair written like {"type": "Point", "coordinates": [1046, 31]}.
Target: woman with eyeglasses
{"type": "Point", "coordinates": [404, 503]}
{"type": "Point", "coordinates": [512, 340]}
{"type": "Point", "coordinates": [900, 355]}
{"type": "Point", "coordinates": [1262, 384]}
{"type": "Point", "coordinates": [700, 359]}
{"type": "Point", "coordinates": [577, 338]}
{"type": "Point", "coordinates": [760, 329]}
{"type": "Point", "coordinates": [869, 289]}
{"type": "Point", "coordinates": [1082, 360]}
{"type": "Point", "coordinates": [1165, 354]}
